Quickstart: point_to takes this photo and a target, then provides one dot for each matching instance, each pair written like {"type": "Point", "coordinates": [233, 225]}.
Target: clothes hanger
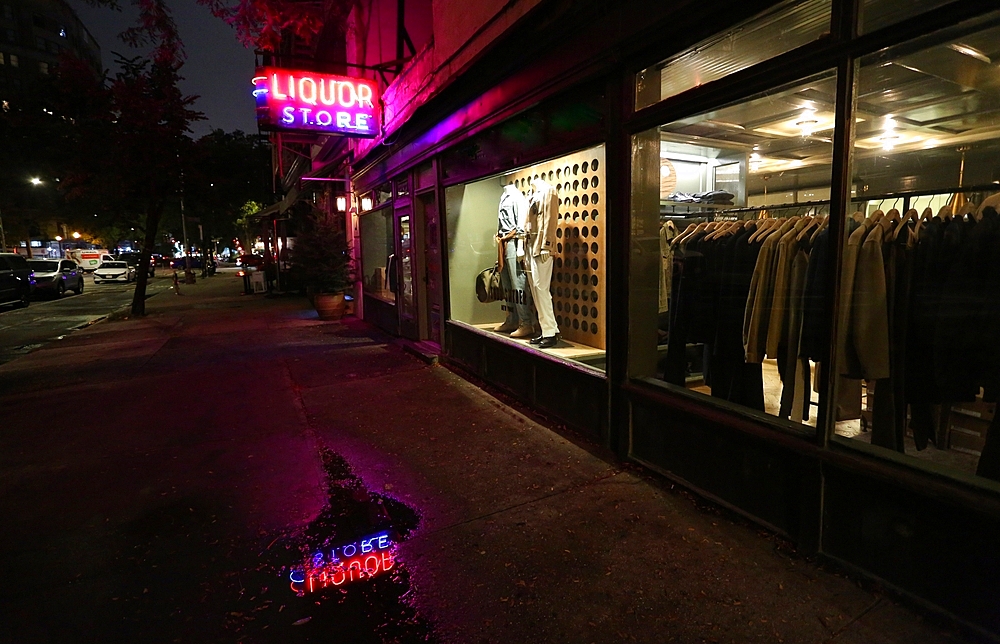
{"type": "Point", "coordinates": [911, 215]}
{"type": "Point", "coordinates": [688, 230]}
{"type": "Point", "coordinates": [807, 231]}
{"type": "Point", "coordinates": [763, 226]}
{"type": "Point", "coordinates": [968, 211]}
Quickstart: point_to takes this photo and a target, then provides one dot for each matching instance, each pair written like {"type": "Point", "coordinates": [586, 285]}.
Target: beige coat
{"type": "Point", "coordinates": [543, 219]}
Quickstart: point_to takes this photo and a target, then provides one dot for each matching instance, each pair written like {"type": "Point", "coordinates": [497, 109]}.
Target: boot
{"type": "Point", "coordinates": [506, 327]}
{"type": "Point", "coordinates": [523, 331]}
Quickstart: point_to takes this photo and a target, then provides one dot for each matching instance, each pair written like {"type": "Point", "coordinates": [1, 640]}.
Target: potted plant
{"type": "Point", "coordinates": [322, 261]}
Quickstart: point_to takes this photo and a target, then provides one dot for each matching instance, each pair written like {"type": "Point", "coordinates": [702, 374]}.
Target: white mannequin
{"type": "Point", "coordinates": [541, 224]}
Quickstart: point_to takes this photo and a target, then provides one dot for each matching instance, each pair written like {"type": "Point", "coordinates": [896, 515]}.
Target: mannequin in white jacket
{"type": "Point", "coordinates": [541, 224]}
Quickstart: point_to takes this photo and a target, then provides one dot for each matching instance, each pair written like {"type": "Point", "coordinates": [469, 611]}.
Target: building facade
{"type": "Point", "coordinates": [33, 33]}
{"type": "Point", "coordinates": [766, 236]}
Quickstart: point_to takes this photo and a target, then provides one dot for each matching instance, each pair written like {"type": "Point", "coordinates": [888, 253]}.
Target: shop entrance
{"type": "Point", "coordinates": [409, 326]}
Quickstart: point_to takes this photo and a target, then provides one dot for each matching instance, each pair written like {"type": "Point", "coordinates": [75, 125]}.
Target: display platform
{"type": "Point", "coordinates": [566, 349]}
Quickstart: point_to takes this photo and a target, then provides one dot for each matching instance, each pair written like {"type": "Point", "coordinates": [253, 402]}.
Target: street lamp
{"type": "Point", "coordinates": [35, 181]}
{"type": "Point", "coordinates": [76, 235]}
{"type": "Point", "coordinates": [59, 239]}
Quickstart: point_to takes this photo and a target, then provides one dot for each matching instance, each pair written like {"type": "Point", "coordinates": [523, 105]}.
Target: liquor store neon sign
{"type": "Point", "coordinates": [363, 559]}
{"type": "Point", "coordinates": [307, 101]}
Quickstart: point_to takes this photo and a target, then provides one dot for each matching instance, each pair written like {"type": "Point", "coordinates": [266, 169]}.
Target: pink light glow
{"type": "Point", "coordinates": [308, 101]}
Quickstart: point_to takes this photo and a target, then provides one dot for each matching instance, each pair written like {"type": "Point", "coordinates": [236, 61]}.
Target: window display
{"type": "Point", "coordinates": [724, 293]}
{"type": "Point", "coordinates": [543, 226]}
{"type": "Point", "coordinates": [771, 33]}
{"type": "Point", "coordinates": [379, 273]}
{"type": "Point", "coordinates": [919, 355]}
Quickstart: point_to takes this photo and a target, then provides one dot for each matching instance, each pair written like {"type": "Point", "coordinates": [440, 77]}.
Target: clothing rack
{"type": "Point", "coordinates": [733, 214]}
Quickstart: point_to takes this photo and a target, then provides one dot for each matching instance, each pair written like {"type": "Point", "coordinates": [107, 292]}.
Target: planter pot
{"type": "Point", "coordinates": [329, 306]}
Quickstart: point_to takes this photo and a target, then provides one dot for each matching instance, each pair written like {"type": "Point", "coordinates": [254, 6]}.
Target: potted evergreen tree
{"type": "Point", "coordinates": [322, 261]}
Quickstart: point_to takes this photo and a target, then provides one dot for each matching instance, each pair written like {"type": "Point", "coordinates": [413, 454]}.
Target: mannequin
{"type": "Point", "coordinates": [521, 320]}
{"type": "Point", "coordinates": [541, 224]}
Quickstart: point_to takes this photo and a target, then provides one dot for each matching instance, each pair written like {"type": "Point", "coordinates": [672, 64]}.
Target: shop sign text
{"type": "Point", "coordinates": [307, 101]}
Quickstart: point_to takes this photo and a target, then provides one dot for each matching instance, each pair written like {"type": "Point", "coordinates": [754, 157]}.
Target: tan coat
{"type": "Point", "coordinates": [543, 219]}
{"type": "Point", "coordinates": [757, 315]}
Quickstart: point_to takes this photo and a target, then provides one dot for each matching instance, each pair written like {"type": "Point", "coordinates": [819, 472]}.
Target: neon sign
{"type": "Point", "coordinates": [364, 559]}
{"type": "Point", "coordinates": [311, 102]}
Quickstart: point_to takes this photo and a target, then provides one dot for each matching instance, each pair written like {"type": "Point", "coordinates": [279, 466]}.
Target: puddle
{"type": "Point", "coordinates": [341, 579]}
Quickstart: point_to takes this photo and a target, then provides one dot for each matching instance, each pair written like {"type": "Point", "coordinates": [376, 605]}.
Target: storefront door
{"type": "Point", "coordinates": [407, 294]}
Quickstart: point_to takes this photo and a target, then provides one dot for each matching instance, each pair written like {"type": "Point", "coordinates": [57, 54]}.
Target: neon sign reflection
{"type": "Point", "coordinates": [363, 559]}
{"type": "Point", "coordinates": [308, 101]}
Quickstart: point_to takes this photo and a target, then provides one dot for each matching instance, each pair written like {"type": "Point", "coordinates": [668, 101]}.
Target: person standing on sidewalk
{"type": "Point", "coordinates": [177, 284]}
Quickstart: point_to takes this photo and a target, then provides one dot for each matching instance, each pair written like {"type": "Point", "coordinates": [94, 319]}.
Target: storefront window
{"type": "Point", "coordinates": [919, 349]}
{"type": "Point", "coordinates": [876, 14]}
{"type": "Point", "coordinates": [729, 209]}
{"type": "Point", "coordinates": [551, 216]}
{"type": "Point", "coordinates": [771, 33]}
{"type": "Point", "coordinates": [379, 271]}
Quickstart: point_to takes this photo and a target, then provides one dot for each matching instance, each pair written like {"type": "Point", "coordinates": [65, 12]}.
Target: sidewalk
{"type": "Point", "coordinates": [181, 461]}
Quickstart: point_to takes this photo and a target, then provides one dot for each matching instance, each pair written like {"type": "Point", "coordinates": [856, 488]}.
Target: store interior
{"type": "Point", "coordinates": [927, 144]}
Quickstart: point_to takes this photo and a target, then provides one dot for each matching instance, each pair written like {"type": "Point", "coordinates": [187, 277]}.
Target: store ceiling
{"type": "Point", "coordinates": [914, 114]}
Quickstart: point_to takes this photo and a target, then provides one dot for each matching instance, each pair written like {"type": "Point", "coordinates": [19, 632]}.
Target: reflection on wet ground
{"type": "Point", "coordinates": [346, 583]}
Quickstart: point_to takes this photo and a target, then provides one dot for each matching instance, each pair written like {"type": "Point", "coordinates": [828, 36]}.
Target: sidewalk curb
{"type": "Point", "coordinates": [120, 313]}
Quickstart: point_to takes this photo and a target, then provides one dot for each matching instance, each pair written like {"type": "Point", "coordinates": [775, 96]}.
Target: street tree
{"type": "Point", "coordinates": [223, 171]}
{"type": "Point", "coordinates": [130, 163]}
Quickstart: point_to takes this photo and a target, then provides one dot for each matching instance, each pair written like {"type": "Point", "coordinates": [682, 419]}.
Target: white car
{"type": "Point", "coordinates": [114, 272]}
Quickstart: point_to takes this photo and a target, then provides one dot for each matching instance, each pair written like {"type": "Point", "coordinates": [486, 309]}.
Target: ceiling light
{"type": "Point", "coordinates": [807, 122]}
{"type": "Point", "coordinates": [971, 52]}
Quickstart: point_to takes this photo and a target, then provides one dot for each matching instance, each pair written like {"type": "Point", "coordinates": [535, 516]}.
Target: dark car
{"type": "Point", "coordinates": [54, 277]}
{"type": "Point", "coordinates": [178, 263]}
{"type": "Point", "coordinates": [132, 259]}
{"type": "Point", "coordinates": [15, 279]}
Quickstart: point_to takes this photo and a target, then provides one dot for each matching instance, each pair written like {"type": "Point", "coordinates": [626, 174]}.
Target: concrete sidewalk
{"type": "Point", "coordinates": [176, 465]}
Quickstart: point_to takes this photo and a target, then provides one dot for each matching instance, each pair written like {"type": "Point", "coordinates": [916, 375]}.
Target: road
{"type": "Point", "coordinates": [44, 321]}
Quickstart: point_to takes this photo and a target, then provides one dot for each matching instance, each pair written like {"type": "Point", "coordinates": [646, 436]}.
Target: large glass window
{"type": "Point", "coordinates": [876, 14]}
{"type": "Point", "coordinates": [729, 213]}
{"type": "Point", "coordinates": [919, 344]}
{"type": "Point", "coordinates": [774, 32]}
{"type": "Point", "coordinates": [544, 227]}
{"type": "Point", "coordinates": [379, 271]}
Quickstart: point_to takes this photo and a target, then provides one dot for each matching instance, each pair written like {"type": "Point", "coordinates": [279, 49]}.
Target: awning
{"type": "Point", "coordinates": [278, 208]}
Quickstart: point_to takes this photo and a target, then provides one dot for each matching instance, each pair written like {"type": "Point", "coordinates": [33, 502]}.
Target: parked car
{"type": "Point", "coordinates": [178, 264]}
{"type": "Point", "coordinates": [54, 277]}
{"type": "Point", "coordinates": [250, 260]}
{"type": "Point", "coordinates": [15, 279]}
{"type": "Point", "coordinates": [114, 271]}
{"type": "Point", "coordinates": [132, 259]}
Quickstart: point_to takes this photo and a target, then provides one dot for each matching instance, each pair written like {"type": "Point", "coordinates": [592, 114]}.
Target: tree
{"type": "Point", "coordinates": [222, 173]}
{"type": "Point", "coordinates": [265, 24]}
{"type": "Point", "coordinates": [320, 257]}
{"type": "Point", "coordinates": [124, 155]}
{"type": "Point", "coordinates": [242, 223]}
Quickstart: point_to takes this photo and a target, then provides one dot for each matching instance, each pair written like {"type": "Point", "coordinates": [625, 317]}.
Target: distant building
{"type": "Point", "coordinates": [33, 33]}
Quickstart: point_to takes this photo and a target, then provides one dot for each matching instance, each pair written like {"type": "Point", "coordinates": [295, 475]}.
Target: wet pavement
{"type": "Point", "coordinates": [231, 469]}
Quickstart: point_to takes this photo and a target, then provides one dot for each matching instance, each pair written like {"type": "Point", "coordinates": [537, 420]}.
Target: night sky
{"type": "Point", "coordinates": [218, 68]}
